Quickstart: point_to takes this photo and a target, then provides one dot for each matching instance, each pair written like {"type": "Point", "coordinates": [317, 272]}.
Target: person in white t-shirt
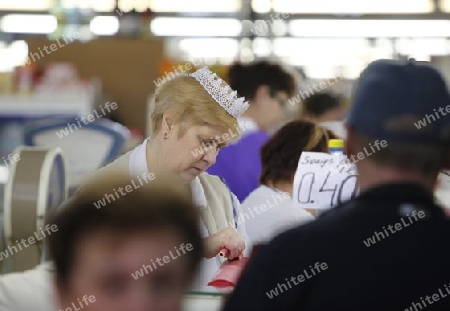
{"type": "Point", "coordinates": [268, 210]}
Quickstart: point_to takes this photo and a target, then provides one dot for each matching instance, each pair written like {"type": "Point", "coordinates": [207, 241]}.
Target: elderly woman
{"type": "Point", "coordinates": [192, 117]}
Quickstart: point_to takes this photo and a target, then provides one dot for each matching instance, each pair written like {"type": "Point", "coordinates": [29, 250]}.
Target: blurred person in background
{"type": "Point", "coordinates": [327, 110]}
{"type": "Point", "coordinates": [267, 86]}
{"type": "Point", "coordinates": [337, 128]}
{"type": "Point", "coordinates": [98, 253]}
{"type": "Point", "coordinates": [271, 203]}
{"type": "Point", "coordinates": [322, 107]}
{"type": "Point", "coordinates": [387, 249]}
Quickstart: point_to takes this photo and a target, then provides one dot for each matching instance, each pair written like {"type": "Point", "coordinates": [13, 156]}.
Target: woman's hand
{"type": "Point", "coordinates": [228, 238]}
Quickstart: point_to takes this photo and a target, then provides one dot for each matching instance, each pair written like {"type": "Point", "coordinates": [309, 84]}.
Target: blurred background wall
{"type": "Point", "coordinates": [126, 68]}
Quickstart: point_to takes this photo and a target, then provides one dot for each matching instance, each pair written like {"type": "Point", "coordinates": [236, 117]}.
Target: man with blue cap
{"type": "Point", "coordinates": [387, 249]}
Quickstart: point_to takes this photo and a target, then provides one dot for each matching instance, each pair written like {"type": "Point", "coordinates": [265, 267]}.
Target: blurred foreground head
{"type": "Point", "coordinates": [138, 252]}
{"type": "Point", "coordinates": [404, 104]}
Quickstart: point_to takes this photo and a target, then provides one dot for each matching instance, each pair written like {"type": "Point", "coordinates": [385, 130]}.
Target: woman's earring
{"type": "Point", "coordinates": [165, 135]}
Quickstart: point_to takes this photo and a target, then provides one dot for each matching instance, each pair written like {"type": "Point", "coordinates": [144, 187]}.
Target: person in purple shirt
{"type": "Point", "coordinates": [267, 87]}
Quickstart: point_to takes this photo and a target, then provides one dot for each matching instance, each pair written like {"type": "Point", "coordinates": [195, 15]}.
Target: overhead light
{"type": "Point", "coordinates": [318, 72]}
{"type": "Point", "coordinates": [261, 6]}
{"type": "Point", "coordinates": [353, 6]}
{"type": "Point", "coordinates": [18, 52]}
{"type": "Point", "coordinates": [262, 47]}
{"type": "Point", "coordinates": [26, 5]}
{"type": "Point", "coordinates": [423, 46]}
{"type": "Point", "coordinates": [319, 49]}
{"type": "Point", "coordinates": [86, 34]}
{"type": "Point", "coordinates": [104, 25]}
{"type": "Point", "coordinates": [279, 28]}
{"type": "Point", "coordinates": [12, 55]}
{"type": "Point", "coordinates": [195, 6]}
{"type": "Point", "coordinates": [96, 5]}
{"type": "Point", "coordinates": [353, 71]}
{"type": "Point", "coordinates": [382, 48]}
{"type": "Point", "coordinates": [28, 23]}
{"type": "Point", "coordinates": [196, 27]}
{"type": "Point", "coordinates": [210, 48]}
{"type": "Point", "coordinates": [369, 28]}
{"type": "Point", "coordinates": [247, 55]}
{"type": "Point", "coordinates": [138, 6]}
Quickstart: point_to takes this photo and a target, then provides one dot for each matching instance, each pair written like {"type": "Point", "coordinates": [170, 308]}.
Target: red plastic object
{"type": "Point", "coordinates": [228, 274]}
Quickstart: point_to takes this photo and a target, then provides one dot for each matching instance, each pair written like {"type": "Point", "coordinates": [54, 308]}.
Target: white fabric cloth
{"type": "Point", "coordinates": [29, 290]}
{"type": "Point", "coordinates": [138, 166]}
{"type": "Point", "coordinates": [268, 212]}
{"type": "Point", "coordinates": [209, 267]}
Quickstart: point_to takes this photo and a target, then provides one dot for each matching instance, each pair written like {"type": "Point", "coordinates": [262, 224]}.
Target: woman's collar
{"type": "Point", "coordinates": [138, 160]}
{"type": "Point", "coordinates": [138, 166]}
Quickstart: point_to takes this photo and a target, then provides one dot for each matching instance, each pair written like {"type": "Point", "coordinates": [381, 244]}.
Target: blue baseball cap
{"type": "Point", "coordinates": [401, 101]}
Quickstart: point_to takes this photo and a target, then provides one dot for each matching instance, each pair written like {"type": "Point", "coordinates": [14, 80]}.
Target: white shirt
{"type": "Point", "coordinates": [29, 290]}
{"type": "Point", "coordinates": [208, 267]}
{"type": "Point", "coordinates": [268, 212]}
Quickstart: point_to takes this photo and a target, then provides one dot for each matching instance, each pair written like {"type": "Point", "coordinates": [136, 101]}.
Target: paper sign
{"type": "Point", "coordinates": [323, 181]}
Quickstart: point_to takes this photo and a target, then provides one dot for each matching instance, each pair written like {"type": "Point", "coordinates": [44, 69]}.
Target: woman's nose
{"type": "Point", "coordinates": [210, 156]}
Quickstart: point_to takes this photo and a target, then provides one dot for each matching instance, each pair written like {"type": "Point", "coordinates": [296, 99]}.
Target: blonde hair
{"type": "Point", "coordinates": [190, 103]}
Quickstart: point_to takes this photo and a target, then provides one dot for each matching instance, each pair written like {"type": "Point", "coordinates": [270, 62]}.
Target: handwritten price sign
{"type": "Point", "coordinates": [323, 181]}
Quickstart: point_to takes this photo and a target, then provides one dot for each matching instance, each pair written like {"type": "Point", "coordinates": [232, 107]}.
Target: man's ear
{"type": "Point", "coordinates": [349, 141]}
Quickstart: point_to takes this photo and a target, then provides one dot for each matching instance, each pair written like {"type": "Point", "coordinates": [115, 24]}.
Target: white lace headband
{"type": "Point", "coordinates": [222, 94]}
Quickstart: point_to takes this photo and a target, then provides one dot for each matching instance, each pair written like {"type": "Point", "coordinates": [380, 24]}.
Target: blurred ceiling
{"type": "Point", "coordinates": [322, 36]}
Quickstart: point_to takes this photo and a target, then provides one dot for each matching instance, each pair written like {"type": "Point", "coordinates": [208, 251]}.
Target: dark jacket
{"type": "Point", "coordinates": [388, 249]}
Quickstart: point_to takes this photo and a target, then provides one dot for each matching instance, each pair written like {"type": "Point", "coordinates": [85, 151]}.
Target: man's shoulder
{"type": "Point", "coordinates": [354, 218]}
